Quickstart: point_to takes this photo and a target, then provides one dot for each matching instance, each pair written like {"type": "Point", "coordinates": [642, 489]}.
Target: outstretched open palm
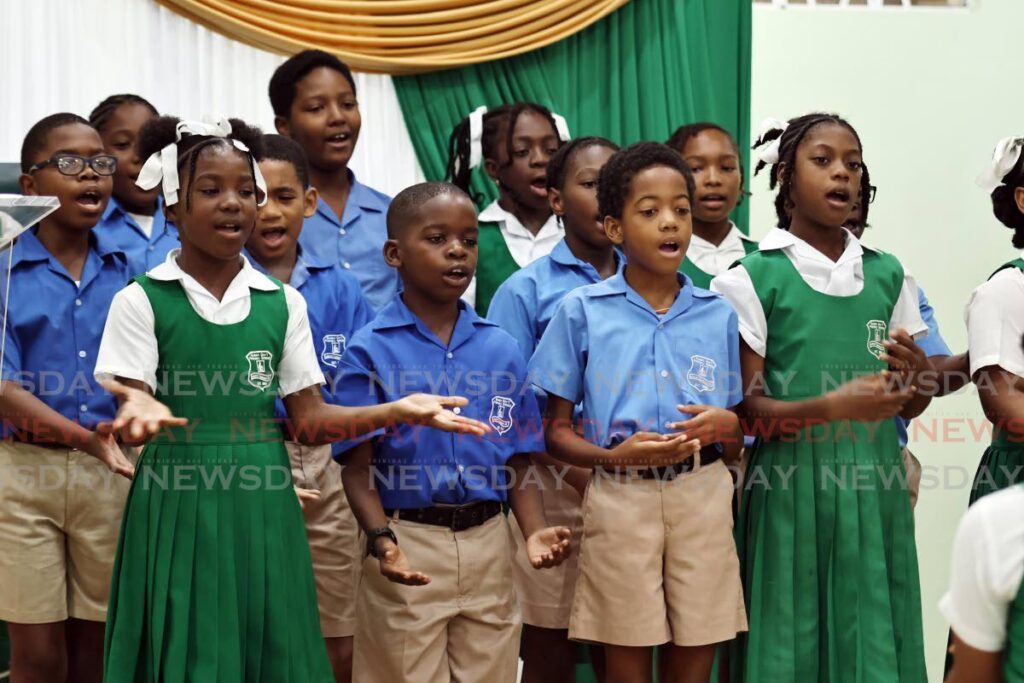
{"type": "Point", "coordinates": [139, 416]}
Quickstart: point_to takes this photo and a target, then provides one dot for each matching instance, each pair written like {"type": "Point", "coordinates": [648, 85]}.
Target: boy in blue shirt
{"type": "Point", "coordinates": [134, 218]}
{"type": "Point", "coordinates": [313, 96]}
{"type": "Point", "coordinates": [436, 600]}
{"type": "Point", "coordinates": [60, 506]}
{"type": "Point", "coordinates": [658, 562]}
{"type": "Point", "coordinates": [336, 309]}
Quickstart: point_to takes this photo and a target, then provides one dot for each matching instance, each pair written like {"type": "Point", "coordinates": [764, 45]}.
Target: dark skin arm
{"type": "Point", "coordinates": [545, 546]}
{"type": "Point", "coordinates": [645, 449]}
{"type": "Point", "coordinates": [24, 411]}
{"type": "Point", "coordinates": [906, 357]}
{"type": "Point", "coordinates": [974, 666]}
{"type": "Point", "coordinates": [576, 477]}
{"type": "Point", "coordinates": [866, 399]}
{"type": "Point", "coordinates": [1002, 399]}
{"type": "Point", "coordinates": [954, 372]}
{"type": "Point", "coordinates": [315, 422]}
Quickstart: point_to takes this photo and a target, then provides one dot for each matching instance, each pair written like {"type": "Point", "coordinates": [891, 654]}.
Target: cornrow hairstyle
{"type": "Point", "coordinates": [35, 139]}
{"type": "Point", "coordinates": [280, 148]}
{"type": "Point", "coordinates": [160, 132]}
{"type": "Point", "coordinates": [617, 175]}
{"type": "Point", "coordinates": [105, 109]}
{"type": "Point", "coordinates": [496, 121]}
{"type": "Point", "coordinates": [683, 134]}
{"type": "Point", "coordinates": [865, 194]}
{"type": "Point", "coordinates": [560, 161]}
{"type": "Point", "coordinates": [294, 69]}
{"type": "Point", "coordinates": [1004, 206]}
{"type": "Point", "coordinates": [791, 139]}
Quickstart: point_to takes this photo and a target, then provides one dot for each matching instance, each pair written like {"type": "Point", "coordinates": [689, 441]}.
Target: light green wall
{"type": "Point", "coordinates": [929, 91]}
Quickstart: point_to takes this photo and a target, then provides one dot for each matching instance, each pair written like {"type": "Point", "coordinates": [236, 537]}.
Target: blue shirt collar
{"type": "Point", "coordinates": [28, 248]}
{"type": "Point", "coordinates": [360, 197]}
{"type": "Point", "coordinates": [114, 206]}
{"type": "Point", "coordinates": [305, 264]}
{"type": "Point", "coordinates": [397, 315]}
{"type": "Point", "coordinates": [617, 285]}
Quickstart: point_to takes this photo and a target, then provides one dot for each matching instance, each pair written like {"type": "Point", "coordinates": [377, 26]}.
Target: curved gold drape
{"type": "Point", "coordinates": [398, 36]}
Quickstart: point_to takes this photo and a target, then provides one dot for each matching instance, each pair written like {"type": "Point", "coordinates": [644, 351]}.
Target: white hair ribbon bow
{"type": "Point", "coordinates": [768, 152]}
{"type": "Point", "coordinates": [1004, 158]}
{"type": "Point", "coordinates": [162, 166]}
{"type": "Point", "coordinates": [562, 127]}
{"type": "Point", "coordinates": [476, 134]}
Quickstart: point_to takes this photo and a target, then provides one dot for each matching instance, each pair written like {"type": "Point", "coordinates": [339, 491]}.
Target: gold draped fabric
{"type": "Point", "coordinates": [398, 36]}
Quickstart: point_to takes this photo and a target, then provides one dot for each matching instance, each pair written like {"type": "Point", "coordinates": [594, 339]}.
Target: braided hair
{"type": "Point", "coordinates": [104, 110]}
{"type": "Point", "coordinates": [495, 122]}
{"type": "Point", "coordinates": [683, 134]}
{"type": "Point", "coordinates": [159, 132]}
{"type": "Point", "coordinates": [791, 139]}
{"type": "Point", "coordinates": [558, 165]}
{"type": "Point", "coordinates": [1004, 204]}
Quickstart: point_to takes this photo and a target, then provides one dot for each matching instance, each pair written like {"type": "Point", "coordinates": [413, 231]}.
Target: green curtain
{"type": "Point", "coordinates": [647, 68]}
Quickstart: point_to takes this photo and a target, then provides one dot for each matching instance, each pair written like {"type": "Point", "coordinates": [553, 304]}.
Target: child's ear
{"type": "Point", "coordinates": [28, 184]}
{"type": "Point", "coordinates": [282, 126]}
{"type": "Point", "coordinates": [555, 201]}
{"type": "Point", "coordinates": [391, 254]}
{"type": "Point", "coordinates": [491, 168]}
{"type": "Point", "coordinates": [613, 230]}
{"type": "Point", "coordinates": [312, 197]}
{"type": "Point", "coordinates": [1018, 197]}
{"type": "Point", "coordinates": [171, 213]}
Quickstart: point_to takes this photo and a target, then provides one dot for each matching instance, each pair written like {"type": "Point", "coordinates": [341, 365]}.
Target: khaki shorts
{"type": "Point", "coordinates": [333, 537]}
{"type": "Point", "coordinates": [658, 562]}
{"type": "Point", "coordinates": [545, 595]}
{"type": "Point", "coordinates": [463, 626]}
{"type": "Point", "coordinates": [60, 515]}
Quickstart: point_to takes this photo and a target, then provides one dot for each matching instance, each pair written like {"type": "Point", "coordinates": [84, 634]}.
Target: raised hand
{"type": "Point", "coordinates": [395, 567]}
{"type": "Point", "coordinates": [104, 447]}
{"type": "Point", "coordinates": [711, 424]}
{"type": "Point", "coordinates": [140, 416]}
{"type": "Point", "coordinates": [904, 355]}
{"type": "Point", "coordinates": [549, 547]}
{"type": "Point", "coordinates": [435, 411]}
{"type": "Point", "coordinates": [869, 398]}
{"type": "Point", "coordinates": [650, 449]}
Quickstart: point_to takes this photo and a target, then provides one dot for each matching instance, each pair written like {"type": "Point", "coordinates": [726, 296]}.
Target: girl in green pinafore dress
{"type": "Point", "coordinates": [514, 142]}
{"type": "Point", "coordinates": [825, 531]}
{"type": "Point", "coordinates": [985, 600]}
{"type": "Point", "coordinates": [713, 156]}
{"type": "Point", "coordinates": [213, 579]}
{"type": "Point", "coordinates": [995, 324]}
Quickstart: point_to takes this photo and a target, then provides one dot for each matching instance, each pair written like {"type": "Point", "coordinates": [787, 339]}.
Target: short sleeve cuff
{"type": "Point", "coordinates": [976, 638]}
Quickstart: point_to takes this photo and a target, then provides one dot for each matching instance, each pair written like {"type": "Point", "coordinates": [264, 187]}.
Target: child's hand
{"type": "Point", "coordinates": [869, 398]}
{"type": "Point", "coordinates": [905, 356]}
{"type": "Point", "coordinates": [105, 448]}
{"type": "Point", "coordinates": [306, 495]}
{"type": "Point", "coordinates": [649, 449]}
{"type": "Point", "coordinates": [549, 547]}
{"type": "Point", "coordinates": [433, 411]}
{"type": "Point", "coordinates": [395, 567]}
{"type": "Point", "coordinates": [712, 425]}
{"type": "Point", "coordinates": [140, 416]}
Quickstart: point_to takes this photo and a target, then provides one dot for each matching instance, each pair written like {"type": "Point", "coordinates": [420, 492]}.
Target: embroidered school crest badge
{"type": "Point", "coordinates": [501, 414]}
{"type": "Point", "coordinates": [876, 334]}
{"type": "Point", "coordinates": [260, 374]}
{"type": "Point", "coordinates": [334, 346]}
{"type": "Point", "coordinates": [701, 375]}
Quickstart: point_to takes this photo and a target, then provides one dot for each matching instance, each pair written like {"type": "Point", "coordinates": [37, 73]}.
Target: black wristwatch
{"type": "Point", "coordinates": [373, 534]}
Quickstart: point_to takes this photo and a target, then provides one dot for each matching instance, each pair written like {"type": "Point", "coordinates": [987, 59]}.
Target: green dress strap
{"type": "Point", "coordinates": [494, 264]}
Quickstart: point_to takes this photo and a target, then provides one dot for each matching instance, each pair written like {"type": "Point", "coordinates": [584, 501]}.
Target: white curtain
{"type": "Point", "coordinates": [67, 55]}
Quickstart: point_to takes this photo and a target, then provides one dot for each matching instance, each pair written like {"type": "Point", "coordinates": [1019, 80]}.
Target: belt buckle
{"type": "Point", "coordinates": [457, 524]}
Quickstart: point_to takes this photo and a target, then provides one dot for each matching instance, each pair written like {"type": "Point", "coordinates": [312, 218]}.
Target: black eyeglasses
{"type": "Point", "coordinates": [73, 164]}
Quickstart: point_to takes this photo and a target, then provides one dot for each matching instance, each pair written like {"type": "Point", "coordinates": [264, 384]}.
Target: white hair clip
{"type": "Point", "coordinates": [1004, 158]}
{"type": "Point", "coordinates": [476, 134]}
{"type": "Point", "coordinates": [561, 127]}
{"type": "Point", "coordinates": [768, 152]}
{"type": "Point", "coordinates": [162, 166]}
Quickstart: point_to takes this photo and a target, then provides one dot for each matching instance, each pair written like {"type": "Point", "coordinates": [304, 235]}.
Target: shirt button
{"type": "Point", "coordinates": [461, 468]}
{"type": "Point", "coordinates": [78, 302]}
{"type": "Point", "coordinates": [668, 424]}
{"type": "Point", "coordinates": [83, 407]}
{"type": "Point", "coordinates": [661, 326]}
{"type": "Point", "coordinates": [342, 231]}
{"type": "Point", "coordinates": [450, 354]}
{"type": "Point", "coordinates": [152, 248]}
{"type": "Point", "coordinates": [457, 410]}
{"type": "Point", "coordinates": [81, 354]}
{"type": "Point", "coordinates": [664, 373]}
{"type": "Point", "coordinates": [346, 264]}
